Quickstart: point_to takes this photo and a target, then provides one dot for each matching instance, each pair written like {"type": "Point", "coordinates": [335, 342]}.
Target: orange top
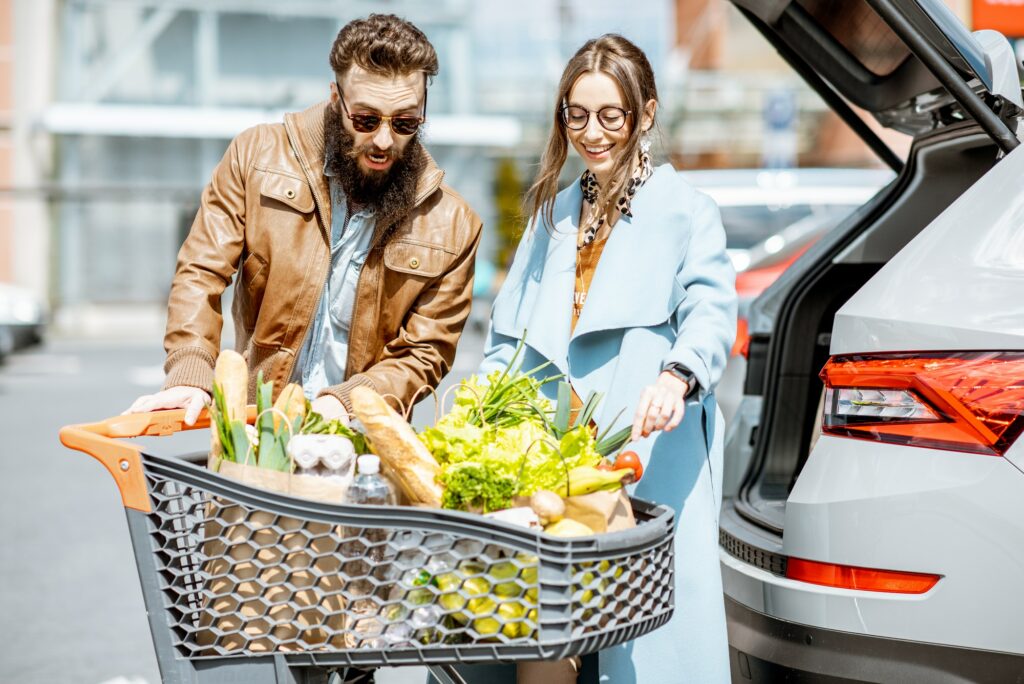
{"type": "Point", "coordinates": [586, 263]}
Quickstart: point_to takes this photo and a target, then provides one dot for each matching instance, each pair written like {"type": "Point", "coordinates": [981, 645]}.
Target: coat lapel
{"type": "Point", "coordinates": [634, 284]}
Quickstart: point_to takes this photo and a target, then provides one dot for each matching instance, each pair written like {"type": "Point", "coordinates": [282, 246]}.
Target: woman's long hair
{"type": "Point", "coordinates": [627, 65]}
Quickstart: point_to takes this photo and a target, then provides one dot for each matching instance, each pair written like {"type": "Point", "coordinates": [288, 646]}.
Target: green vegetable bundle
{"type": "Point", "coordinates": [502, 439]}
{"type": "Point", "coordinates": [265, 444]}
{"type": "Point", "coordinates": [314, 424]}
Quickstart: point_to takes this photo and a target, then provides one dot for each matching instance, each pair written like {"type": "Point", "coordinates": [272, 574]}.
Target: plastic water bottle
{"type": "Point", "coordinates": [365, 550]}
{"type": "Point", "coordinates": [370, 487]}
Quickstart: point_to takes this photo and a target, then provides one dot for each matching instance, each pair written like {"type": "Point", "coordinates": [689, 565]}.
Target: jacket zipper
{"type": "Point", "coordinates": [351, 337]}
{"type": "Point", "coordinates": [326, 230]}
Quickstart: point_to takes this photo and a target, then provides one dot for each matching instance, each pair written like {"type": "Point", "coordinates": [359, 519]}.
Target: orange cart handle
{"type": "Point", "coordinates": [103, 441]}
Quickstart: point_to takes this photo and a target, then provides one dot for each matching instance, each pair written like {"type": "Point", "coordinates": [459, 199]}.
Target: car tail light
{"type": "Point", "coordinates": [741, 347]}
{"type": "Point", "coordinates": [864, 579]}
{"type": "Point", "coordinates": [966, 401]}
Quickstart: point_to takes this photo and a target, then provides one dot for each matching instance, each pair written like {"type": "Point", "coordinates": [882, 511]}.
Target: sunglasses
{"type": "Point", "coordinates": [401, 124]}
{"type": "Point", "coordinates": [610, 118]}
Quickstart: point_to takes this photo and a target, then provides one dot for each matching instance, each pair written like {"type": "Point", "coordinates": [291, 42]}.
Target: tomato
{"type": "Point", "coordinates": [605, 464]}
{"type": "Point", "coordinates": [629, 459]}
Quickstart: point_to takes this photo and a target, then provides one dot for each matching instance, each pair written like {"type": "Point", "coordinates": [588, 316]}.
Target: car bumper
{"type": "Point", "coordinates": [767, 649]}
{"type": "Point", "coordinates": [888, 507]}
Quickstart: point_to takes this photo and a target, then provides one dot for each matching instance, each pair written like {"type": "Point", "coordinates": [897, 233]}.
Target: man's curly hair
{"type": "Point", "coordinates": [383, 44]}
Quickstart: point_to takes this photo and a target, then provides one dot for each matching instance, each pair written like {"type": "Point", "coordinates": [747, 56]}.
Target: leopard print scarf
{"type": "Point", "coordinates": [591, 189]}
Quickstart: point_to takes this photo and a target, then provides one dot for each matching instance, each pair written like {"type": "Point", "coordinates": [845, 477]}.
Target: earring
{"type": "Point", "coordinates": [645, 143]}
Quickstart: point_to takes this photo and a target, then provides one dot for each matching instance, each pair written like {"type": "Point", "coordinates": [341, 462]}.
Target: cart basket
{"type": "Point", "coordinates": [245, 584]}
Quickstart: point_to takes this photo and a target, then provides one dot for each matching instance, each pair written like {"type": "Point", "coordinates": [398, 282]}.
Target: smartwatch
{"type": "Point", "coordinates": [686, 375]}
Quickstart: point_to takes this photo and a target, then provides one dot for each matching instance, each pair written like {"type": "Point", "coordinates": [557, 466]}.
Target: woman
{"type": "Point", "coordinates": [622, 282]}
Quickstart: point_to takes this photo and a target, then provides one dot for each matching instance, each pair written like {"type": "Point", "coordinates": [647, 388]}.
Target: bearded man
{"type": "Point", "coordinates": [354, 260]}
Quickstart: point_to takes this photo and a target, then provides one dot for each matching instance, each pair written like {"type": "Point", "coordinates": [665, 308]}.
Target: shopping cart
{"type": "Point", "coordinates": [247, 585]}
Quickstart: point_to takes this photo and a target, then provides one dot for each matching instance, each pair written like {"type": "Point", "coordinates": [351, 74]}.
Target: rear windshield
{"type": "Point", "coordinates": [862, 32]}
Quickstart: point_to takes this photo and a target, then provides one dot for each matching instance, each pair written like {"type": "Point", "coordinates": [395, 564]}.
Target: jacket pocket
{"type": "Point", "coordinates": [288, 190]}
{"type": "Point", "coordinates": [417, 258]}
{"type": "Point", "coordinates": [254, 274]}
{"type": "Point", "coordinates": [253, 283]}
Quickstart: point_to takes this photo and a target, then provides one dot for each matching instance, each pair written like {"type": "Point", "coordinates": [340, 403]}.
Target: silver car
{"type": "Point", "coordinates": [873, 524]}
{"type": "Point", "coordinates": [22, 319]}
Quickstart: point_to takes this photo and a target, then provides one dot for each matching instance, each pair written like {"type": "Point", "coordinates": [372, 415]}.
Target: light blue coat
{"type": "Point", "coordinates": [663, 292]}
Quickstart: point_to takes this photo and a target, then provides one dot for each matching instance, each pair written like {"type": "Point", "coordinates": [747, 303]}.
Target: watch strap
{"type": "Point", "coordinates": [686, 375]}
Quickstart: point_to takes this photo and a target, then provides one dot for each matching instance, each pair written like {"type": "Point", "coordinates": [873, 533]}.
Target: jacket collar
{"type": "Point", "coordinates": [306, 134]}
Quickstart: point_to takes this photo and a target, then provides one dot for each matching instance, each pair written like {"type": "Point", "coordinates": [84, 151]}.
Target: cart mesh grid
{"type": "Point", "coordinates": [244, 572]}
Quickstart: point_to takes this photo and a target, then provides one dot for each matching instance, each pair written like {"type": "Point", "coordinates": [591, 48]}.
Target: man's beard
{"type": "Point", "coordinates": [392, 192]}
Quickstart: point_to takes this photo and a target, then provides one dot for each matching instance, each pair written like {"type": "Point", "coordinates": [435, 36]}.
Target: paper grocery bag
{"type": "Point", "coordinates": [250, 556]}
{"type": "Point", "coordinates": [607, 511]}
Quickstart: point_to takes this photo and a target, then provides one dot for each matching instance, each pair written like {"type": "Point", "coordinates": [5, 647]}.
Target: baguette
{"type": "Point", "coordinates": [394, 441]}
{"type": "Point", "coordinates": [231, 374]}
{"type": "Point", "coordinates": [231, 379]}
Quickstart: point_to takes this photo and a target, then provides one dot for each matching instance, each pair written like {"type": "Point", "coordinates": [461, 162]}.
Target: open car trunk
{"type": "Point", "coordinates": [915, 68]}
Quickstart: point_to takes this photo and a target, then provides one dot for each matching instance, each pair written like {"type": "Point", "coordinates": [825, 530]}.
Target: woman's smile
{"type": "Point", "coordinates": [597, 152]}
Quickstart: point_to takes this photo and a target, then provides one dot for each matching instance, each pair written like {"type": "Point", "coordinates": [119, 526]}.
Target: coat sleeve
{"type": "Point", "coordinates": [705, 319]}
{"type": "Point", "coordinates": [424, 349]}
{"type": "Point", "coordinates": [206, 262]}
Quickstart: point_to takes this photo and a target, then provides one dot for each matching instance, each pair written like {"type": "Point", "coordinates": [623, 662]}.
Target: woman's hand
{"type": "Point", "coordinates": [661, 406]}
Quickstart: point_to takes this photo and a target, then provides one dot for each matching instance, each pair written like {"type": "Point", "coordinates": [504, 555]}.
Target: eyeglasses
{"type": "Point", "coordinates": [610, 118]}
{"type": "Point", "coordinates": [401, 124]}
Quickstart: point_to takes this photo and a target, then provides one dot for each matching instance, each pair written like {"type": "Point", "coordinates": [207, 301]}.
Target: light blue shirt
{"type": "Point", "coordinates": [325, 351]}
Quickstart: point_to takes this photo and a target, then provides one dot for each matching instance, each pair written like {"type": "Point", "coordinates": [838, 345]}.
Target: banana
{"type": "Point", "coordinates": [587, 479]}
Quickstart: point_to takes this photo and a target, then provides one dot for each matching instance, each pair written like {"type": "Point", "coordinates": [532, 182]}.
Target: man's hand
{"type": "Point", "coordinates": [328, 406]}
{"type": "Point", "coordinates": [661, 406]}
{"type": "Point", "coordinates": [192, 399]}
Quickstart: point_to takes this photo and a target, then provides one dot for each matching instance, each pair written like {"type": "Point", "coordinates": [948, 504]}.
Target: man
{"type": "Point", "coordinates": [355, 262]}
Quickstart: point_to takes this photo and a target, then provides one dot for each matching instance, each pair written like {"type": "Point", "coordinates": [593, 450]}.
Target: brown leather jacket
{"type": "Point", "coordinates": [267, 214]}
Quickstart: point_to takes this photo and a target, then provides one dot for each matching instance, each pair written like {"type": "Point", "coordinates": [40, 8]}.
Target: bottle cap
{"type": "Point", "coordinates": [368, 464]}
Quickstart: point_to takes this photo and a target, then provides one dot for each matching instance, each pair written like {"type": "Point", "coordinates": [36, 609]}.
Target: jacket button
{"type": "Point", "coordinates": [414, 263]}
{"type": "Point", "coordinates": [289, 193]}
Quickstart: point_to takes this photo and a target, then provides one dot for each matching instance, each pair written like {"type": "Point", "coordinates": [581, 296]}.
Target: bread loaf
{"type": "Point", "coordinates": [410, 463]}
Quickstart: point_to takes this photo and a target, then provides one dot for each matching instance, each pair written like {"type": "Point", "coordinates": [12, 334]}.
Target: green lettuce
{"type": "Point", "coordinates": [484, 467]}
{"type": "Point", "coordinates": [472, 485]}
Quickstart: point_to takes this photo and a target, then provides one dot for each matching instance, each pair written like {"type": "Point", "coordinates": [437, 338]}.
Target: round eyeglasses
{"type": "Point", "coordinates": [610, 118]}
